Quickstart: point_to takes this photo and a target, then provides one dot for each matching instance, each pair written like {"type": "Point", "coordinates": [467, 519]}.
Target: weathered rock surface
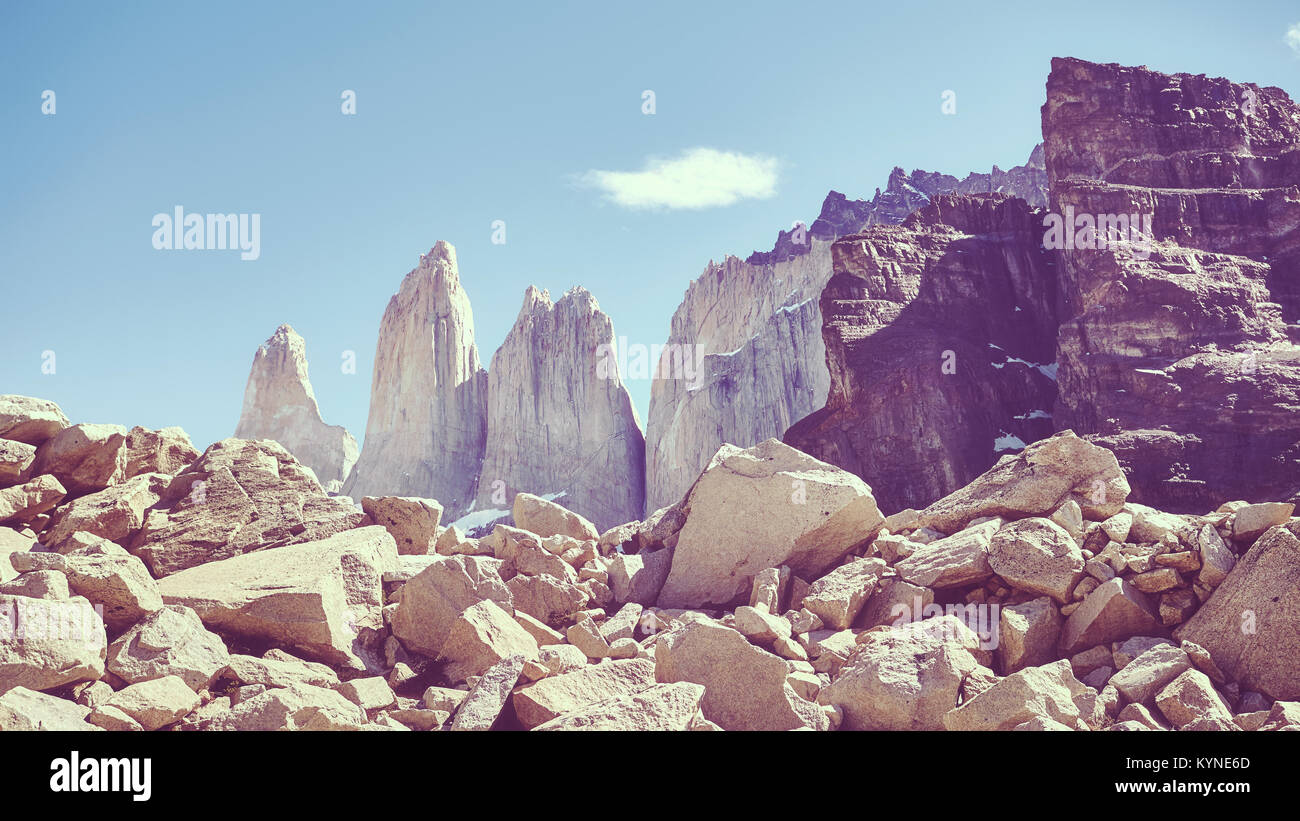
{"type": "Point", "coordinates": [169, 642]}
{"type": "Point", "coordinates": [1048, 693]}
{"type": "Point", "coordinates": [22, 709]}
{"type": "Point", "coordinates": [240, 496]}
{"type": "Point", "coordinates": [413, 522]}
{"type": "Point", "coordinates": [764, 507]}
{"type": "Point", "coordinates": [279, 404]}
{"type": "Point", "coordinates": [428, 397]}
{"type": "Point", "coordinates": [316, 597]}
{"type": "Point", "coordinates": [430, 603]}
{"type": "Point", "coordinates": [30, 420]}
{"type": "Point", "coordinates": [84, 458]}
{"type": "Point", "coordinates": [554, 696]}
{"type": "Point", "coordinates": [656, 708]}
{"type": "Point", "coordinates": [46, 644]}
{"type": "Point", "coordinates": [560, 423]}
{"type": "Point", "coordinates": [116, 513]}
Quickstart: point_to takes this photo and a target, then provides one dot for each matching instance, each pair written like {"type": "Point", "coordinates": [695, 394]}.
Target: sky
{"type": "Point", "coordinates": [470, 114]}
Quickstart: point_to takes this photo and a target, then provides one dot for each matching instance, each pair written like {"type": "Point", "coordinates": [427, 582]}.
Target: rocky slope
{"type": "Point", "coordinates": [560, 423]}
{"type": "Point", "coordinates": [1183, 360]}
{"type": "Point", "coordinates": [428, 397]}
{"type": "Point", "coordinates": [279, 404]}
{"type": "Point", "coordinates": [756, 325]}
{"type": "Point", "coordinates": [776, 595]}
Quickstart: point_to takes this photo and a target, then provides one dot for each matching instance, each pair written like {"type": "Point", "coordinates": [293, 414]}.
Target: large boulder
{"type": "Point", "coordinates": [172, 641]}
{"type": "Point", "coordinates": [1114, 611]}
{"type": "Point", "coordinates": [15, 460]}
{"type": "Point", "coordinates": [1037, 556]}
{"type": "Point", "coordinates": [115, 513]}
{"type": "Point", "coordinates": [481, 636]}
{"type": "Point", "coordinates": [238, 497]}
{"type": "Point", "coordinates": [907, 677]}
{"type": "Point", "coordinates": [1249, 624]}
{"type": "Point", "coordinates": [112, 578]}
{"type": "Point", "coordinates": [1049, 693]}
{"type": "Point", "coordinates": [1036, 482]}
{"type": "Point", "coordinates": [23, 503]}
{"type": "Point", "coordinates": [412, 521]}
{"type": "Point", "coordinates": [546, 518]}
{"type": "Point", "coordinates": [316, 597]}
{"type": "Point", "coordinates": [166, 450]}
{"type": "Point", "coordinates": [659, 707]}
{"type": "Point", "coordinates": [22, 709]}
{"type": "Point", "coordinates": [47, 643]}
{"type": "Point", "coordinates": [29, 420]}
{"type": "Point", "coordinates": [553, 696]}
{"type": "Point", "coordinates": [745, 686]}
{"type": "Point", "coordinates": [85, 458]}
{"type": "Point", "coordinates": [762, 507]}
{"type": "Point", "coordinates": [429, 604]}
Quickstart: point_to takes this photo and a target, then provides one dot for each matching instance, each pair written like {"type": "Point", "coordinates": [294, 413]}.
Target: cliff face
{"type": "Point", "coordinates": [1179, 354]}
{"type": "Point", "coordinates": [756, 324]}
{"type": "Point", "coordinates": [559, 420]}
{"type": "Point", "coordinates": [279, 404]}
{"type": "Point", "coordinates": [939, 337]}
{"type": "Point", "coordinates": [428, 397]}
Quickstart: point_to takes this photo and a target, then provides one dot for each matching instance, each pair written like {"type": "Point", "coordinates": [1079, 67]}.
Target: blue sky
{"type": "Point", "coordinates": [468, 114]}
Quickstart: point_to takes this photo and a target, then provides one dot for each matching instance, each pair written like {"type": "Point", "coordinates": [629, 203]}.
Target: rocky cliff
{"type": "Point", "coordinates": [560, 424]}
{"type": "Point", "coordinates": [755, 325]}
{"type": "Point", "coordinates": [279, 404]}
{"type": "Point", "coordinates": [939, 336]}
{"type": "Point", "coordinates": [428, 397]}
{"type": "Point", "coordinates": [1179, 352]}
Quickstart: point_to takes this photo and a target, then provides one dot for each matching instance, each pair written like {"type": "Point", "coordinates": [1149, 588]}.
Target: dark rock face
{"type": "Point", "coordinates": [1181, 362]}
{"type": "Point", "coordinates": [1175, 346]}
{"type": "Point", "coordinates": [939, 337]}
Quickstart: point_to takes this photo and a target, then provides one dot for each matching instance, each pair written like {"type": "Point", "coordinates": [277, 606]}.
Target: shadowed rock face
{"type": "Point", "coordinates": [756, 327]}
{"type": "Point", "coordinates": [279, 404]}
{"type": "Point", "coordinates": [1183, 362]}
{"type": "Point", "coordinates": [939, 337]}
{"type": "Point", "coordinates": [428, 396]}
{"type": "Point", "coordinates": [559, 419]}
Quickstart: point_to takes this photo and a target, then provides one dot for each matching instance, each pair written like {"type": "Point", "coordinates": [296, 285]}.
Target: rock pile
{"type": "Point", "coordinates": [232, 593]}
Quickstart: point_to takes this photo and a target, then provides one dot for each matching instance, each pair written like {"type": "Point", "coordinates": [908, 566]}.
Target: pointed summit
{"type": "Point", "coordinates": [279, 404]}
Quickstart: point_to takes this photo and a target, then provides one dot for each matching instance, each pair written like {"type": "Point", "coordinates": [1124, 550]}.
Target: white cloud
{"type": "Point", "coordinates": [697, 178]}
{"type": "Point", "coordinates": [1293, 38]}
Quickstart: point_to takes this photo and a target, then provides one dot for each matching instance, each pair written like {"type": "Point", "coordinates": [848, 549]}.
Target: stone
{"type": "Point", "coordinates": [894, 599]}
{"type": "Point", "coordinates": [745, 686]}
{"type": "Point", "coordinates": [538, 630]}
{"type": "Point", "coordinates": [22, 710]}
{"type": "Point", "coordinates": [1157, 581]}
{"type": "Point", "coordinates": [47, 644]}
{"type": "Point", "coordinates": [167, 451]}
{"type": "Point", "coordinates": [279, 404]}
{"type": "Point", "coordinates": [766, 506]}
{"type": "Point", "coordinates": [954, 561]}
{"type": "Point", "coordinates": [23, 503]}
{"type": "Point", "coordinates": [561, 658]}
{"type": "Point", "coordinates": [1048, 692]}
{"type": "Point", "coordinates": [838, 597]}
{"type": "Point", "coordinates": [29, 420]}
{"type": "Point", "coordinates": [659, 707]}
{"type": "Point", "coordinates": [1115, 610]}
{"type": "Point", "coordinates": [39, 584]}
{"type": "Point", "coordinates": [1117, 527]}
{"type": "Point", "coordinates": [1217, 560]}
{"type": "Point", "coordinates": [560, 422]}
{"type": "Point", "coordinates": [1123, 652]}
{"type": "Point", "coordinates": [1028, 634]}
{"type": "Point", "coordinates": [1038, 556]}
{"type": "Point", "coordinates": [413, 522]}
{"type": "Point", "coordinates": [369, 693]}
{"type": "Point", "coordinates": [109, 576]}
{"type": "Point", "coordinates": [1091, 659]}
{"type": "Point", "coordinates": [1141, 679]}
{"type": "Point", "coordinates": [623, 623]}
{"type": "Point", "coordinates": [15, 460]}
{"type": "Point", "coordinates": [292, 708]}
{"type": "Point", "coordinates": [84, 458]}
{"type": "Point", "coordinates": [444, 699]}
{"type": "Point", "coordinates": [431, 601]}
{"type": "Point", "coordinates": [906, 678]}
{"type": "Point", "coordinates": [759, 626]}
{"type": "Point", "coordinates": [239, 497]}
{"type": "Point", "coordinates": [480, 709]}
{"type": "Point", "coordinates": [586, 636]}
{"type": "Point", "coordinates": [1202, 660]}
{"type": "Point", "coordinates": [1248, 624]}
{"type": "Point", "coordinates": [426, 432]}
{"type": "Point", "coordinates": [639, 578]}
{"type": "Point", "coordinates": [1189, 697]}
{"type": "Point", "coordinates": [1035, 482]}
{"type": "Point", "coordinates": [538, 703]}
{"type": "Point", "coordinates": [279, 669]}
{"type": "Point", "coordinates": [115, 513]}
{"type": "Point", "coordinates": [546, 598]}
{"type": "Point", "coordinates": [108, 717]}
{"type": "Point", "coordinates": [315, 598]}
{"type": "Point", "coordinates": [481, 636]}
{"type": "Point", "coordinates": [1251, 521]}
{"type": "Point", "coordinates": [155, 703]}
{"type": "Point", "coordinates": [172, 641]}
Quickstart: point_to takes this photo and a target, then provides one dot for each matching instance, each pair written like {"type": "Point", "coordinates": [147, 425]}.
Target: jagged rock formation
{"type": "Point", "coordinates": [939, 336]}
{"type": "Point", "coordinates": [560, 424]}
{"type": "Point", "coordinates": [1183, 362]}
{"type": "Point", "coordinates": [428, 396]}
{"type": "Point", "coordinates": [279, 404]}
{"type": "Point", "coordinates": [755, 327]}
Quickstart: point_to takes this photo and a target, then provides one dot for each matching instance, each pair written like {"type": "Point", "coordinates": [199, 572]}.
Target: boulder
{"type": "Point", "coordinates": [1048, 693]}
{"type": "Point", "coordinates": [46, 644]}
{"type": "Point", "coordinates": [84, 458]}
{"type": "Point", "coordinates": [657, 707]}
{"type": "Point", "coordinates": [1038, 556]}
{"type": "Point", "coordinates": [23, 503]}
{"type": "Point", "coordinates": [1251, 521]}
{"type": "Point", "coordinates": [295, 707]}
{"type": "Point", "coordinates": [15, 460]}
{"type": "Point", "coordinates": [745, 686]}
{"type": "Point", "coordinates": [1145, 676]}
{"type": "Point", "coordinates": [115, 513]}
{"type": "Point", "coordinates": [1249, 624]}
{"type": "Point", "coordinates": [954, 561]}
{"type": "Point", "coordinates": [430, 602]}
{"type": "Point", "coordinates": [838, 597]}
{"type": "Point", "coordinates": [481, 636]}
{"type": "Point", "coordinates": [483, 705]}
{"type": "Point", "coordinates": [1192, 697]}
{"type": "Point", "coordinates": [1114, 610]}
{"type": "Point", "coordinates": [639, 577]}
{"type": "Point", "coordinates": [279, 669]}
{"type": "Point", "coordinates": [314, 597]}
{"type": "Point", "coordinates": [546, 518]}
{"type": "Point", "coordinates": [1028, 634]}
{"type": "Point", "coordinates": [155, 703]}
{"type": "Point", "coordinates": [167, 451]}
{"type": "Point", "coordinates": [170, 642]}
{"type": "Point", "coordinates": [412, 521]}
{"type": "Point", "coordinates": [22, 709]}
{"type": "Point", "coordinates": [29, 420]}
{"type": "Point", "coordinates": [109, 576]}
{"type": "Point", "coordinates": [553, 696]}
